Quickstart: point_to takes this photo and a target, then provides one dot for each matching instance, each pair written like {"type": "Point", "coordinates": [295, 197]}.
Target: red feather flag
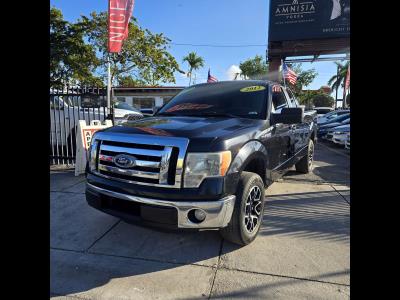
{"type": "Point", "coordinates": [119, 14]}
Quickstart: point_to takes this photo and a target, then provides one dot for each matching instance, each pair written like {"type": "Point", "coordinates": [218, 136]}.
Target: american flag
{"type": "Point", "coordinates": [289, 74]}
{"type": "Point", "coordinates": [211, 78]}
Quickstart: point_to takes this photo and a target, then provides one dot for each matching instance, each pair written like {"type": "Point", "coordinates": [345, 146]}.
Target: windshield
{"type": "Point", "coordinates": [245, 99]}
{"type": "Point", "coordinates": [123, 105]}
{"type": "Point", "coordinates": [323, 110]}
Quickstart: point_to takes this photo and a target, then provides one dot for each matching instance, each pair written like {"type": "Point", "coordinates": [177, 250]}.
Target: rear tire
{"type": "Point", "coordinates": [248, 211]}
{"type": "Point", "coordinates": [306, 163]}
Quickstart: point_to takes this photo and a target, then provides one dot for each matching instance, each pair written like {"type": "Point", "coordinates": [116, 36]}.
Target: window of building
{"type": "Point", "coordinates": [143, 102]}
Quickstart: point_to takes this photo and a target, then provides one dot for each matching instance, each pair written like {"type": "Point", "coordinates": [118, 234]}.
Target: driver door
{"type": "Point", "coordinates": [281, 134]}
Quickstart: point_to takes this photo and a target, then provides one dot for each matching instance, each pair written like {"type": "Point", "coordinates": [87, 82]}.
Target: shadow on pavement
{"type": "Point", "coordinates": [255, 287]}
{"type": "Point", "coordinates": [318, 215]}
{"type": "Point", "coordinates": [329, 166]}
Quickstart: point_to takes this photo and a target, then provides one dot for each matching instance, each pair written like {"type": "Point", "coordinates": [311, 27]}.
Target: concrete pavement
{"type": "Point", "coordinates": [302, 251]}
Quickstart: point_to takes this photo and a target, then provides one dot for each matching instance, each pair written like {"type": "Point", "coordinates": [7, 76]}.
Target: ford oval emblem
{"type": "Point", "coordinates": [124, 161]}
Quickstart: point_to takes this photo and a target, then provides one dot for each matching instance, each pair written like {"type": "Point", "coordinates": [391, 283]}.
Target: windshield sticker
{"type": "Point", "coordinates": [253, 88]}
{"type": "Point", "coordinates": [189, 106]}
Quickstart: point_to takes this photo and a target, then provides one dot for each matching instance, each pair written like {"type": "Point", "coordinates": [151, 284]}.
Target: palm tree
{"type": "Point", "coordinates": [337, 80]}
{"type": "Point", "coordinates": [195, 62]}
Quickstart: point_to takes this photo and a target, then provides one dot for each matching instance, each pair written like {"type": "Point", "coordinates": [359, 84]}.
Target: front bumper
{"type": "Point", "coordinates": [218, 212]}
{"type": "Point", "coordinates": [339, 139]}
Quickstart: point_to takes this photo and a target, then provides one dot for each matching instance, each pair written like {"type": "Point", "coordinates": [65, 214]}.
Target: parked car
{"type": "Point", "coordinates": [331, 115]}
{"type": "Point", "coordinates": [322, 110]}
{"type": "Point", "coordinates": [335, 120]}
{"type": "Point", "coordinates": [329, 128]}
{"type": "Point", "coordinates": [339, 135]}
{"type": "Point", "coordinates": [203, 160]}
{"type": "Point", "coordinates": [124, 112]}
{"type": "Point", "coordinates": [347, 143]}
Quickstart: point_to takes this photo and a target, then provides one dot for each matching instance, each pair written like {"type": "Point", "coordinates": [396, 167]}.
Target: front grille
{"type": "Point", "coordinates": [158, 160]}
{"type": "Point", "coordinates": [134, 117]}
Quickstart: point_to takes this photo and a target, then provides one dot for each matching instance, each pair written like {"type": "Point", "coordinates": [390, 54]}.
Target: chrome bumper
{"type": "Point", "coordinates": [218, 212]}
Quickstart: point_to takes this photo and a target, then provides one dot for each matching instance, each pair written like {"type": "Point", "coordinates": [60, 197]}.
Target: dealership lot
{"type": "Point", "coordinates": [302, 252]}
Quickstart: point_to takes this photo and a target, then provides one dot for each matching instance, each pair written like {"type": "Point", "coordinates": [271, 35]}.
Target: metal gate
{"type": "Point", "coordinates": [67, 107]}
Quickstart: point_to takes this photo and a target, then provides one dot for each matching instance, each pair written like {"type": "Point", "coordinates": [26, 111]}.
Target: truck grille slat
{"type": "Point", "coordinates": [158, 160]}
{"type": "Point", "coordinates": [139, 163]}
{"type": "Point", "coordinates": [128, 172]}
{"type": "Point", "coordinates": [132, 150]}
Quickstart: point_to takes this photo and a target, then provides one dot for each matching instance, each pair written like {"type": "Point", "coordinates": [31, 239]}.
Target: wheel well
{"type": "Point", "coordinates": [256, 165]}
{"type": "Point", "coordinates": [313, 136]}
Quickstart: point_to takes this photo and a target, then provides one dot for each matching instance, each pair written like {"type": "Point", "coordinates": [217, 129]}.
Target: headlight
{"type": "Point", "coordinates": [339, 132]}
{"type": "Point", "coordinates": [202, 165]}
{"type": "Point", "coordinates": [92, 154]}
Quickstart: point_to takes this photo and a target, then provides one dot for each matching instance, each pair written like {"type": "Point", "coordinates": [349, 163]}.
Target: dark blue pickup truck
{"type": "Point", "coordinates": [203, 160]}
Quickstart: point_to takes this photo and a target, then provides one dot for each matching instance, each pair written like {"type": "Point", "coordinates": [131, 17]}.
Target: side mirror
{"type": "Point", "coordinates": [289, 115]}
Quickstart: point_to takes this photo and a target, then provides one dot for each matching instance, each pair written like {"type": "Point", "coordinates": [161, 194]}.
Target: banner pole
{"type": "Point", "coordinates": [108, 83]}
{"type": "Point", "coordinates": [283, 76]}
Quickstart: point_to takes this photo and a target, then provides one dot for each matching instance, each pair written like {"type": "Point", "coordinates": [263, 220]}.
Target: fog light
{"type": "Point", "coordinates": [196, 215]}
{"type": "Point", "coordinates": [199, 215]}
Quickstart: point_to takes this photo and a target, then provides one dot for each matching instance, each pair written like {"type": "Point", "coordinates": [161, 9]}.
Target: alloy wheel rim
{"type": "Point", "coordinates": [252, 209]}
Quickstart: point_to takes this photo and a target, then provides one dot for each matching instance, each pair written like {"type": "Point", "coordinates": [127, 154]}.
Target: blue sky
{"type": "Point", "coordinates": [222, 22]}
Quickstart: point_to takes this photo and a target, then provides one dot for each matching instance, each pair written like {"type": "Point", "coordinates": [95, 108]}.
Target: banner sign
{"type": "Point", "coordinates": [308, 19]}
{"type": "Point", "coordinates": [83, 140]}
{"type": "Point", "coordinates": [119, 14]}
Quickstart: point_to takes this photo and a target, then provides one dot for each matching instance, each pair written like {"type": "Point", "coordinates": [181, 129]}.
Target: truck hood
{"type": "Point", "coordinates": [330, 125]}
{"type": "Point", "coordinates": [202, 131]}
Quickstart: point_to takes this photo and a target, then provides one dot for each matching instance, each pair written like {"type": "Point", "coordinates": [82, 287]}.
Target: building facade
{"type": "Point", "coordinates": [145, 97]}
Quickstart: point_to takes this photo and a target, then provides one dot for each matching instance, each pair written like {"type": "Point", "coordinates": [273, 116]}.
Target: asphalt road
{"type": "Point", "coordinates": [302, 251]}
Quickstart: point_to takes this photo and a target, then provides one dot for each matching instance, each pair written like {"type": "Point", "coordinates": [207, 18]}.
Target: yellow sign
{"type": "Point", "coordinates": [253, 88]}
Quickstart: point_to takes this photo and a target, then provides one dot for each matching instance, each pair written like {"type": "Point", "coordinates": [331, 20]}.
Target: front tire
{"type": "Point", "coordinates": [248, 212]}
{"type": "Point", "coordinates": [306, 163]}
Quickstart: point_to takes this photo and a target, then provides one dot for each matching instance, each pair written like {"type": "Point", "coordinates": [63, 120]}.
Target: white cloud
{"type": "Point", "coordinates": [232, 71]}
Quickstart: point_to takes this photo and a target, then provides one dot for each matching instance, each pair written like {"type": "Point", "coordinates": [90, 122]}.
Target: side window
{"type": "Point", "coordinates": [278, 99]}
{"type": "Point", "coordinates": [292, 99]}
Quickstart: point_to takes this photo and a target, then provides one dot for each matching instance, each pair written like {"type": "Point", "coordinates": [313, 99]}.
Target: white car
{"type": "Point", "coordinates": [347, 143]}
{"type": "Point", "coordinates": [322, 110]}
{"type": "Point", "coordinates": [340, 134]}
{"type": "Point", "coordinates": [124, 112]}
